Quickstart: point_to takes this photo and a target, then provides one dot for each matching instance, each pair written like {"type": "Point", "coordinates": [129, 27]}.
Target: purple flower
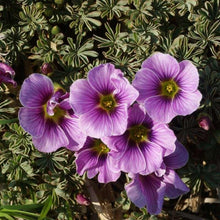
{"type": "Point", "coordinates": [47, 115]}
{"type": "Point", "coordinates": [102, 101]}
{"type": "Point", "coordinates": [142, 147]}
{"type": "Point", "coordinates": [96, 157]}
{"type": "Point", "coordinates": [7, 74]}
{"type": "Point", "coordinates": [150, 190]}
{"type": "Point", "coordinates": [167, 88]}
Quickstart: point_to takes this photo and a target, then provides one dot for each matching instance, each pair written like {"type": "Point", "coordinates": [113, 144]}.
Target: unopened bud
{"type": "Point", "coordinates": [205, 122]}
{"type": "Point", "coordinates": [46, 68]}
{"type": "Point", "coordinates": [82, 200]}
{"type": "Point", "coordinates": [7, 74]}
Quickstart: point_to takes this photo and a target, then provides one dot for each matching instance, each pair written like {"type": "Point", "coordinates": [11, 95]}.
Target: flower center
{"type": "Point", "coordinates": [107, 102]}
{"type": "Point", "coordinates": [58, 113]}
{"type": "Point", "coordinates": [169, 88]}
{"type": "Point", "coordinates": [138, 133]}
{"type": "Point", "coordinates": [100, 147]}
{"type": "Point", "coordinates": [52, 109]}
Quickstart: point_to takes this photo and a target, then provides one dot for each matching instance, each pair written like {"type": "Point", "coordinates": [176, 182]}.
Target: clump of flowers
{"type": "Point", "coordinates": [144, 142]}
{"type": "Point", "coordinates": [110, 135]}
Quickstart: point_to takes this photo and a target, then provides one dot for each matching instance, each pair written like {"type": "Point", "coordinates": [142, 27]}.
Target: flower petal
{"type": "Point", "coordinates": [160, 109]}
{"type": "Point", "coordinates": [7, 74]}
{"type": "Point", "coordinates": [32, 120]}
{"type": "Point", "coordinates": [52, 138]}
{"type": "Point", "coordinates": [65, 104]}
{"type": "Point", "coordinates": [132, 160]}
{"type": "Point", "coordinates": [7, 79]}
{"type": "Point", "coordinates": [148, 122]}
{"type": "Point", "coordinates": [160, 172]}
{"type": "Point", "coordinates": [154, 191]}
{"type": "Point", "coordinates": [100, 78]}
{"type": "Point", "coordinates": [186, 103]}
{"type": "Point", "coordinates": [77, 138]}
{"type": "Point", "coordinates": [113, 159]}
{"type": "Point", "coordinates": [174, 185]}
{"type": "Point", "coordinates": [147, 83]}
{"type": "Point", "coordinates": [92, 172]}
{"type": "Point", "coordinates": [117, 143]}
{"type": "Point", "coordinates": [86, 160]}
{"type": "Point", "coordinates": [188, 77]}
{"type": "Point", "coordinates": [125, 93]}
{"type": "Point", "coordinates": [36, 90]}
{"type": "Point", "coordinates": [178, 158]}
{"type": "Point", "coordinates": [96, 123]}
{"type": "Point", "coordinates": [119, 119]}
{"type": "Point", "coordinates": [153, 155]}
{"type": "Point", "coordinates": [83, 98]}
{"type": "Point", "coordinates": [147, 190]}
{"type": "Point", "coordinates": [106, 174]}
{"type": "Point", "coordinates": [164, 65]}
{"type": "Point", "coordinates": [135, 193]}
{"type": "Point", "coordinates": [5, 68]}
{"type": "Point", "coordinates": [136, 115]}
{"type": "Point", "coordinates": [164, 137]}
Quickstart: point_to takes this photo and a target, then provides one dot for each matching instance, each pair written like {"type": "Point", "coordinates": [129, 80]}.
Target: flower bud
{"type": "Point", "coordinates": [82, 200]}
{"type": "Point", "coordinates": [7, 74]}
{"type": "Point", "coordinates": [46, 68]}
{"type": "Point", "coordinates": [204, 122]}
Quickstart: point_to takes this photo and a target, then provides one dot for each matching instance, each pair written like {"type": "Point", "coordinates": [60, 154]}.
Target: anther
{"type": "Point", "coordinates": [169, 88]}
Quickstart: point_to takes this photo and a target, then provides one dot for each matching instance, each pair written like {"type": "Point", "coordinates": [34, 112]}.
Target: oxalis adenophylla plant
{"type": "Point", "coordinates": [127, 131]}
{"type": "Point", "coordinates": [115, 126]}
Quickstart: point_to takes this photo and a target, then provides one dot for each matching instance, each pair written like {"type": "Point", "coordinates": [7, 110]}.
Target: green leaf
{"type": "Point", "coordinates": [4, 215]}
{"type": "Point", "coordinates": [8, 121]}
{"type": "Point", "coordinates": [20, 214]}
{"type": "Point", "coordinates": [46, 208]}
{"type": "Point", "coordinates": [28, 207]}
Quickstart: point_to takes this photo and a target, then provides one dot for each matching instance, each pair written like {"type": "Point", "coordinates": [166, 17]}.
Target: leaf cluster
{"type": "Point", "coordinates": [31, 177]}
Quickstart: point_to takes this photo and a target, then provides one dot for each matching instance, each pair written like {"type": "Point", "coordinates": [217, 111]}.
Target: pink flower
{"type": "Point", "coordinates": [101, 101]}
{"type": "Point", "coordinates": [47, 115]}
{"type": "Point", "coordinates": [150, 190]}
{"type": "Point", "coordinates": [95, 157]}
{"type": "Point", "coordinates": [167, 88]}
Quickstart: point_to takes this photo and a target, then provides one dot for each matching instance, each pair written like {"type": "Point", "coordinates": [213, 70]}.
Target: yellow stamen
{"type": "Point", "coordinates": [169, 88]}
{"type": "Point", "coordinates": [100, 147]}
{"type": "Point", "coordinates": [107, 102]}
{"type": "Point", "coordinates": [138, 133]}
